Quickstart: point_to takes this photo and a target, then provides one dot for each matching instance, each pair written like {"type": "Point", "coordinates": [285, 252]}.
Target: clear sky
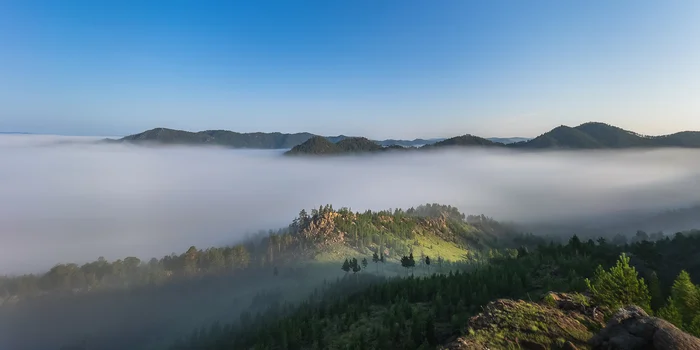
{"type": "Point", "coordinates": [364, 67]}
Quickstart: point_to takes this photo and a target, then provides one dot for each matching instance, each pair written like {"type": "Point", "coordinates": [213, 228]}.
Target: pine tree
{"type": "Point", "coordinates": [346, 266]}
{"type": "Point", "coordinates": [619, 286]}
{"type": "Point", "coordinates": [670, 313]}
{"type": "Point", "coordinates": [657, 299]}
{"type": "Point", "coordinates": [355, 266]}
{"type": "Point", "coordinates": [686, 297]}
{"type": "Point", "coordinates": [375, 260]}
{"type": "Point", "coordinates": [694, 327]}
{"type": "Point", "coordinates": [364, 263]}
{"type": "Point", "coordinates": [430, 336]}
{"type": "Point", "coordinates": [406, 263]}
{"type": "Point", "coordinates": [382, 260]}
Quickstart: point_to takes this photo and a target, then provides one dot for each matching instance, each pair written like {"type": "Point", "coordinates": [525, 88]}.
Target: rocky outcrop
{"type": "Point", "coordinates": [322, 231]}
{"type": "Point", "coordinates": [577, 302]}
{"type": "Point", "coordinates": [506, 324]}
{"type": "Point", "coordinates": [631, 328]}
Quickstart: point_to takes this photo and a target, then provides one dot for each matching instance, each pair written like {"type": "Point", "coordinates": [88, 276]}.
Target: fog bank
{"type": "Point", "coordinates": [74, 201]}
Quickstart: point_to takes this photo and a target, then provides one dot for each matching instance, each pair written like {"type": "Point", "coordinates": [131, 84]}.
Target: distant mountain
{"type": "Point", "coordinates": [604, 136]}
{"type": "Point", "coordinates": [590, 135]}
{"type": "Point", "coordinates": [258, 140]}
{"type": "Point", "coordinates": [318, 145]}
{"type": "Point", "coordinates": [424, 142]}
{"type": "Point", "coordinates": [390, 142]}
{"type": "Point", "coordinates": [466, 140]}
{"type": "Point", "coordinates": [686, 139]}
{"type": "Point", "coordinates": [560, 137]}
{"type": "Point", "coordinates": [409, 143]}
{"type": "Point", "coordinates": [315, 145]}
{"type": "Point", "coordinates": [507, 140]}
{"type": "Point", "coordinates": [14, 133]}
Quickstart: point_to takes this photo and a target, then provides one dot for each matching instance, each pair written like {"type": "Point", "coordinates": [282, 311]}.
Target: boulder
{"type": "Point", "coordinates": [632, 328]}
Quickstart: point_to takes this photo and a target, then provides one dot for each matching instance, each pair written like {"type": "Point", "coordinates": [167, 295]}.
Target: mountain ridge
{"type": "Point", "coordinates": [587, 136]}
{"type": "Point", "coordinates": [265, 140]}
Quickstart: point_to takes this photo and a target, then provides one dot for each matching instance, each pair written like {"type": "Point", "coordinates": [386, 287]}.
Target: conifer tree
{"type": "Point", "coordinates": [346, 266]}
{"type": "Point", "coordinates": [657, 299]}
{"type": "Point", "coordinates": [375, 260]}
{"type": "Point", "coordinates": [670, 313]}
{"type": "Point", "coordinates": [406, 263]}
{"type": "Point", "coordinates": [619, 286]}
{"type": "Point", "coordinates": [694, 327]}
{"type": "Point", "coordinates": [686, 297]}
{"type": "Point", "coordinates": [382, 260]}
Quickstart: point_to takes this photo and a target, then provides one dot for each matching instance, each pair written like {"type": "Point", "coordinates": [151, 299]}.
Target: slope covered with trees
{"type": "Point", "coordinates": [411, 278]}
{"type": "Point", "coordinates": [595, 135]}
{"type": "Point", "coordinates": [427, 311]}
{"type": "Point", "coordinates": [561, 137]}
{"type": "Point", "coordinates": [465, 140]}
{"type": "Point", "coordinates": [254, 140]}
{"type": "Point", "coordinates": [318, 235]}
{"type": "Point", "coordinates": [320, 145]}
{"type": "Point", "coordinates": [167, 288]}
{"type": "Point", "coordinates": [257, 140]}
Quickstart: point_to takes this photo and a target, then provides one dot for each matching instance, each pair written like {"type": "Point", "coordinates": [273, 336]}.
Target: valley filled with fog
{"type": "Point", "coordinates": [68, 199]}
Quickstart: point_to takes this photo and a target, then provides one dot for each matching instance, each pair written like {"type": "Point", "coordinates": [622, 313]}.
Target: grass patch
{"type": "Point", "coordinates": [507, 324]}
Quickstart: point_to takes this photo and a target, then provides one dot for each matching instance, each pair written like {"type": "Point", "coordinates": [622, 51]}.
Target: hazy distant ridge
{"type": "Point", "coordinates": [592, 135]}
{"type": "Point", "coordinates": [261, 140]}
{"type": "Point", "coordinates": [585, 136]}
{"type": "Point", "coordinates": [604, 136]}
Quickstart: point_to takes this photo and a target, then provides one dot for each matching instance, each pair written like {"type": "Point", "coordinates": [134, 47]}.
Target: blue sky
{"type": "Point", "coordinates": [374, 68]}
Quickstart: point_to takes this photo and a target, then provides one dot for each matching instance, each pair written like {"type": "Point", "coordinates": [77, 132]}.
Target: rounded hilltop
{"type": "Point", "coordinates": [319, 145]}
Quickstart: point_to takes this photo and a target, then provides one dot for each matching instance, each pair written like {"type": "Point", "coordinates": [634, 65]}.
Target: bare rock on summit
{"type": "Point", "coordinates": [506, 324]}
{"type": "Point", "coordinates": [632, 328]}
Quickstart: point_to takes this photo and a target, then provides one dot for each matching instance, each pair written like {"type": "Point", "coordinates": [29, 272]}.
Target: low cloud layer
{"type": "Point", "coordinates": [74, 201]}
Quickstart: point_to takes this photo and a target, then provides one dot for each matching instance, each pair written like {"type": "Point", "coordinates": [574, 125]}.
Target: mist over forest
{"type": "Point", "coordinates": [68, 199]}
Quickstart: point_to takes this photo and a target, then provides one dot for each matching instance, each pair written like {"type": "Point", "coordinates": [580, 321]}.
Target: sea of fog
{"type": "Point", "coordinates": [67, 199]}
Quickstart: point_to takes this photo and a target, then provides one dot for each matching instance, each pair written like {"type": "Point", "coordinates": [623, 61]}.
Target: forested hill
{"type": "Point", "coordinates": [505, 304]}
{"type": "Point", "coordinates": [322, 235]}
{"type": "Point", "coordinates": [397, 286]}
{"type": "Point", "coordinates": [591, 135]}
{"type": "Point", "coordinates": [465, 140]}
{"type": "Point", "coordinates": [254, 140]}
{"type": "Point", "coordinates": [178, 292]}
{"type": "Point", "coordinates": [603, 136]}
{"type": "Point", "coordinates": [583, 137]}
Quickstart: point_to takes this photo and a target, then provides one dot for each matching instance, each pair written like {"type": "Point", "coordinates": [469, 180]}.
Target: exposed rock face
{"type": "Point", "coordinates": [631, 328]}
{"type": "Point", "coordinates": [322, 231]}
{"type": "Point", "coordinates": [519, 324]}
{"type": "Point", "coordinates": [575, 302]}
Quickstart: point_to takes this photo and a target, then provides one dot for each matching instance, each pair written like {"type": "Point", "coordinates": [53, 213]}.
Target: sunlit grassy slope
{"type": "Point", "coordinates": [432, 230]}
